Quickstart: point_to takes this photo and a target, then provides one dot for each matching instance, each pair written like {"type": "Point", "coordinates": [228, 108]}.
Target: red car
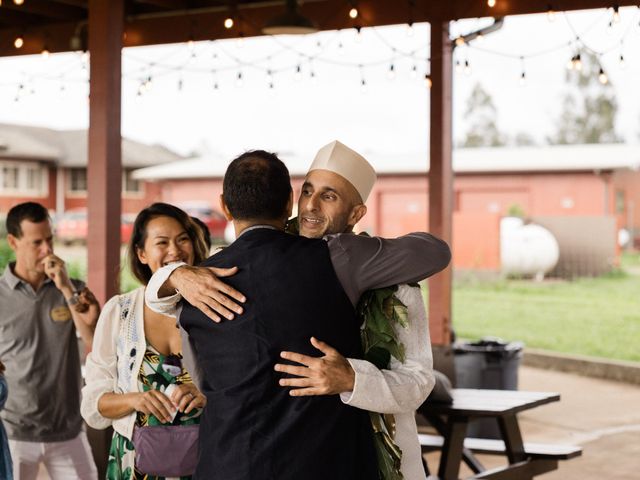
{"type": "Point", "coordinates": [71, 227]}
{"type": "Point", "coordinates": [214, 220]}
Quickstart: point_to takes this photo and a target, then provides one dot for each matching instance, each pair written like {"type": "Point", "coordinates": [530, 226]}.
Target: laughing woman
{"type": "Point", "coordinates": [134, 376]}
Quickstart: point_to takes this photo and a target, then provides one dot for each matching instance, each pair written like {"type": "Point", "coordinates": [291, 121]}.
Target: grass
{"type": "Point", "coordinates": [590, 316]}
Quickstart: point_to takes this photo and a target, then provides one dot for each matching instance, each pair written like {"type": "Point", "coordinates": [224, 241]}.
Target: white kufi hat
{"type": "Point", "coordinates": [338, 158]}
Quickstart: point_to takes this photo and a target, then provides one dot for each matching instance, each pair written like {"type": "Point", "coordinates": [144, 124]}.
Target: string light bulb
{"type": "Point", "coordinates": [480, 37]}
{"type": "Point", "coordinates": [523, 79]}
{"type": "Point", "coordinates": [353, 13]}
{"type": "Point", "coordinates": [18, 2]}
{"type": "Point", "coordinates": [491, 3]}
{"type": "Point", "coordinates": [228, 23]}
{"type": "Point", "coordinates": [602, 77]}
{"type": "Point", "coordinates": [239, 80]}
{"type": "Point", "coordinates": [298, 75]}
{"type": "Point", "coordinates": [459, 42]}
{"type": "Point", "coordinates": [19, 41]}
{"type": "Point", "coordinates": [616, 14]}
{"type": "Point", "coordinates": [414, 72]}
{"type": "Point", "coordinates": [622, 63]}
{"type": "Point", "coordinates": [45, 52]}
{"type": "Point", "coordinates": [551, 14]}
{"type": "Point", "coordinates": [427, 80]}
{"type": "Point", "coordinates": [363, 86]}
{"type": "Point", "coordinates": [358, 37]}
{"type": "Point", "coordinates": [467, 68]}
{"type": "Point", "coordinates": [391, 74]}
{"type": "Point", "coordinates": [458, 66]}
{"type": "Point", "coordinates": [409, 30]}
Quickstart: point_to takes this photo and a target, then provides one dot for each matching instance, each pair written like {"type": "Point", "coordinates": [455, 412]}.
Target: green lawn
{"type": "Point", "coordinates": [596, 316]}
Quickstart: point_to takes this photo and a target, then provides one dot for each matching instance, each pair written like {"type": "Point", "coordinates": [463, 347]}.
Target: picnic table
{"type": "Point", "coordinates": [525, 460]}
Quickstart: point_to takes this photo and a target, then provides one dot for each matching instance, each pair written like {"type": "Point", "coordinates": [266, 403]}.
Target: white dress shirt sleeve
{"type": "Point", "coordinates": [404, 386]}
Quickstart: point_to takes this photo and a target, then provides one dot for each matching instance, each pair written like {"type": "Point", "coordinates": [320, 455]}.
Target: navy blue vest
{"type": "Point", "coordinates": [252, 429]}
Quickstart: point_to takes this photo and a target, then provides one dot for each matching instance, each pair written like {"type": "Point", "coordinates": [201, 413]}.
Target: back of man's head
{"type": "Point", "coordinates": [31, 211]}
{"type": "Point", "coordinates": [257, 186]}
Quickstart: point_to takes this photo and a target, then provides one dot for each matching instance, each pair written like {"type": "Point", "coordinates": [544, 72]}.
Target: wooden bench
{"type": "Point", "coordinates": [545, 451]}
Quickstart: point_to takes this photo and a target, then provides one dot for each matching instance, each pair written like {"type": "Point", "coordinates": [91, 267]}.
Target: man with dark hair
{"type": "Point", "coordinates": [297, 289]}
{"type": "Point", "coordinates": [42, 309]}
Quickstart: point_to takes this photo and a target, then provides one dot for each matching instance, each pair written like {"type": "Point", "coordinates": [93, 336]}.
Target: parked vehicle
{"type": "Point", "coordinates": [214, 220]}
{"type": "Point", "coordinates": [71, 227]}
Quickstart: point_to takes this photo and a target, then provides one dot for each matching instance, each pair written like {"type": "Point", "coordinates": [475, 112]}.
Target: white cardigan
{"type": "Point", "coordinates": [115, 359]}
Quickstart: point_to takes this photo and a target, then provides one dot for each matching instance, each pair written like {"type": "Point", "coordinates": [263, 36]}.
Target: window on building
{"type": "Point", "coordinates": [78, 180]}
{"type": "Point", "coordinates": [130, 184]}
{"type": "Point", "coordinates": [23, 179]}
{"type": "Point", "coordinates": [10, 177]}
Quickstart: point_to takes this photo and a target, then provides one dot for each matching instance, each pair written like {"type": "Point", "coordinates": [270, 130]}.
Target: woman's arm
{"type": "Point", "coordinates": [116, 405]}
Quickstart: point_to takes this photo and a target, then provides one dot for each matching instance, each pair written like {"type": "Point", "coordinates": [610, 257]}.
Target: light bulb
{"type": "Point", "coordinates": [409, 30]}
{"type": "Point", "coordinates": [391, 74]}
{"type": "Point", "coordinates": [467, 68]}
{"type": "Point", "coordinates": [459, 41]}
{"type": "Point", "coordinates": [18, 2]}
{"type": "Point", "coordinates": [353, 13]}
{"type": "Point", "coordinates": [45, 53]}
{"type": "Point", "coordinates": [427, 81]}
{"type": "Point", "coordinates": [298, 75]}
{"type": "Point", "coordinates": [616, 14]}
{"type": "Point", "coordinates": [18, 42]}
{"type": "Point", "coordinates": [239, 81]}
{"type": "Point", "coordinates": [523, 79]}
{"type": "Point", "coordinates": [358, 37]}
{"type": "Point", "coordinates": [551, 15]}
{"type": "Point", "coordinates": [622, 64]}
{"type": "Point", "coordinates": [480, 38]}
{"type": "Point", "coordinates": [363, 86]}
{"type": "Point", "coordinates": [603, 77]}
{"type": "Point", "coordinates": [414, 72]}
{"type": "Point", "coordinates": [491, 3]}
{"type": "Point", "coordinates": [228, 23]}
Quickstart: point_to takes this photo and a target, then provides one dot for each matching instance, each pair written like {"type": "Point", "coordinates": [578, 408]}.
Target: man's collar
{"type": "Point", "coordinates": [13, 280]}
{"type": "Point", "coordinates": [256, 227]}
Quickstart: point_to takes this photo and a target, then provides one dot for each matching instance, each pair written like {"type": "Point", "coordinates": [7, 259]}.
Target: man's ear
{"type": "Point", "coordinates": [12, 241]}
{"type": "Point", "coordinates": [289, 205]}
{"type": "Point", "coordinates": [225, 209]}
{"type": "Point", "coordinates": [356, 214]}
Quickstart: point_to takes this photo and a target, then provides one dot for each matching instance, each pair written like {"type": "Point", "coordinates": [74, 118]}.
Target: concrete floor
{"type": "Point", "coordinates": [601, 416]}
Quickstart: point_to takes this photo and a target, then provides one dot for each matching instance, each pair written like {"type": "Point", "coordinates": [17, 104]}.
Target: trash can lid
{"type": "Point", "coordinates": [493, 345]}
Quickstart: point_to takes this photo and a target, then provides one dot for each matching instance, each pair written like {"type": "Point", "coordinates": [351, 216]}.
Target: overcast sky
{"type": "Point", "coordinates": [390, 115]}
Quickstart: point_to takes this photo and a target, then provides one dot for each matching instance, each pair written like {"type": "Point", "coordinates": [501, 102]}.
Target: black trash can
{"type": "Point", "coordinates": [489, 363]}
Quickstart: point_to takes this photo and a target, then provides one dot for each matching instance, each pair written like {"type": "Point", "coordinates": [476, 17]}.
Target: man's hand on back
{"type": "Point", "coordinates": [327, 375]}
{"type": "Point", "coordinates": [202, 288]}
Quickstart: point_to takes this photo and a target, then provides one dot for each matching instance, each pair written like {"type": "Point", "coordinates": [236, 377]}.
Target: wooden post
{"type": "Point", "coordinates": [104, 170]}
{"type": "Point", "coordinates": [440, 177]}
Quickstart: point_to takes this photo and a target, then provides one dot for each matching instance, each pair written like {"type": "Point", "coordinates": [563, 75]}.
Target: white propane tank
{"type": "Point", "coordinates": [527, 250]}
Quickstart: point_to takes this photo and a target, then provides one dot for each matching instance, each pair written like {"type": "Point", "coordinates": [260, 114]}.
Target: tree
{"type": "Point", "coordinates": [589, 107]}
{"type": "Point", "coordinates": [481, 115]}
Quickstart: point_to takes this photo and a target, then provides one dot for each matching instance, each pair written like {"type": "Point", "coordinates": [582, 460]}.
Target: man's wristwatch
{"type": "Point", "coordinates": [74, 299]}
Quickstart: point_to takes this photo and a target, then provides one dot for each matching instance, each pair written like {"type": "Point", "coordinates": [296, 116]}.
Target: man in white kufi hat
{"type": "Point", "coordinates": [332, 200]}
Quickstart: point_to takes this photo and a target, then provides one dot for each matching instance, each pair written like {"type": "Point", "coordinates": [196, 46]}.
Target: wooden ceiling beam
{"type": "Point", "coordinates": [74, 3]}
{"type": "Point", "coordinates": [167, 4]}
{"type": "Point", "coordinates": [207, 24]}
{"type": "Point", "coordinates": [49, 9]}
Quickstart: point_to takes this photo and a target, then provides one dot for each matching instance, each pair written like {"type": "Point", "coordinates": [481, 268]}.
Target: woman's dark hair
{"type": "Point", "coordinates": [257, 186]}
{"type": "Point", "coordinates": [141, 271]}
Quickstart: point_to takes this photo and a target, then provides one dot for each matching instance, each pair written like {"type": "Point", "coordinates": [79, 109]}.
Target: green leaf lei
{"type": "Point", "coordinates": [379, 311]}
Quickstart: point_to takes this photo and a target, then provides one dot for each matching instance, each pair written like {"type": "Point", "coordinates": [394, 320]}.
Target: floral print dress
{"type": "Point", "coordinates": [157, 372]}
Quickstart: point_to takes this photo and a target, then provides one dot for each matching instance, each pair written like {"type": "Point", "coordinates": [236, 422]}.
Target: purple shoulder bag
{"type": "Point", "coordinates": [166, 451]}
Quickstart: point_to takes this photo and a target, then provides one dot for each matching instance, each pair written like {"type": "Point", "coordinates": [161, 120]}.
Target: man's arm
{"type": "Point", "coordinates": [200, 286]}
{"type": "Point", "coordinates": [83, 306]}
{"type": "Point", "coordinates": [363, 263]}
{"type": "Point", "coordinates": [401, 388]}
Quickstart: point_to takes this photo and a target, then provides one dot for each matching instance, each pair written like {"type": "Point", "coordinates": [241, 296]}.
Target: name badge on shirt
{"type": "Point", "coordinates": [60, 314]}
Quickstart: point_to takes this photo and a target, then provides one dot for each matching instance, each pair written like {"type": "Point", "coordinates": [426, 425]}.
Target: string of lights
{"type": "Point", "coordinates": [328, 51]}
